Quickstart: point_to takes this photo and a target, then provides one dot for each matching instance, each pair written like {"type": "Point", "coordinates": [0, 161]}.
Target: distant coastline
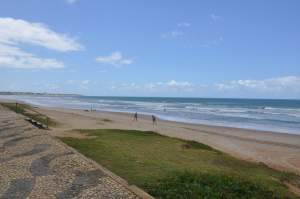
{"type": "Point", "coordinates": [40, 94]}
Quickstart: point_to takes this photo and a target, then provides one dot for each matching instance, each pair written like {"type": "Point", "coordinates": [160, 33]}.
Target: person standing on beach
{"type": "Point", "coordinates": [135, 117]}
{"type": "Point", "coordinates": [154, 120]}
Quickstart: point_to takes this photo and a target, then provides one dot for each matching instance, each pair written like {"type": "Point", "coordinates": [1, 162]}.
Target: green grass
{"type": "Point", "coordinates": [172, 168]}
{"type": "Point", "coordinates": [28, 111]}
{"type": "Point", "coordinates": [191, 185]}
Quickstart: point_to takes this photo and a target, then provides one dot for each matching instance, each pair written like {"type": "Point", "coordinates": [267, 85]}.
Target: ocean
{"type": "Point", "coordinates": [259, 114]}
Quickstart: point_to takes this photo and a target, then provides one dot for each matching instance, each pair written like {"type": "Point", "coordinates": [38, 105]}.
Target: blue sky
{"type": "Point", "coordinates": [151, 48]}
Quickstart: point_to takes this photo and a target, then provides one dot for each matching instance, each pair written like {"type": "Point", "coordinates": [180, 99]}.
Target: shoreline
{"type": "Point", "coordinates": [147, 116]}
{"type": "Point", "coordinates": [204, 127]}
{"type": "Point", "coordinates": [277, 150]}
{"type": "Point", "coordinates": [162, 118]}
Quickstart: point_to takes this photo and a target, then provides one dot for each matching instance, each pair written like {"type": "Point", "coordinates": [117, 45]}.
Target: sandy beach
{"type": "Point", "coordinates": [277, 150]}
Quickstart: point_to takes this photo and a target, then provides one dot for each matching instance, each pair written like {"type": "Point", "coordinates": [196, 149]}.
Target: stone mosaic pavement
{"type": "Point", "coordinates": [33, 164]}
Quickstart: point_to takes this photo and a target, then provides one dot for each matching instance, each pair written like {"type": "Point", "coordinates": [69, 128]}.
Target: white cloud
{"type": "Point", "coordinates": [184, 24]}
{"type": "Point", "coordinates": [281, 87]}
{"type": "Point", "coordinates": [167, 86]}
{"type": "Point", "coordinates": [13, 57]}
{"type": "Point", "coordinates": [212, 43]}
{"type": "Point", "coordinates": [70, 81]}
{"type": "Point", "coordinates": [173, 34]}
{"type": "Point", "coordinates": [176, 33]}
{"type": "Point", "coordinates": [71, 1]}
{"type": "Point", "coordinates": [280, 84]}
{"type": "Point", "coordinates": [52, 86]}
{"type": "Point", "coordinates": [78, 82]}
{"type": "Point", "coordinates": [179, 31]}
{"type": "Point", "coordinates": [215, 17]}
{"type": "Point", "coordinates": [174, 83]}
{"type": "Point", "coordinates": [115, 59]}
{"type": "Point", "coordinates": [85, 82]}
{"type": "Point", "coordinates": [15, 32]}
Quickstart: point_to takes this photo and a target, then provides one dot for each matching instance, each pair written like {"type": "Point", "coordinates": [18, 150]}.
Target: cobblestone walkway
{"type": "Point", "coordinates": [35, 165]}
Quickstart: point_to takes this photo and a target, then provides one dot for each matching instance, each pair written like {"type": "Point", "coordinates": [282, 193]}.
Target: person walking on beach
{"type": "Point", "coordinates": [135, 117]}
{"type": "Point", "coordinates": [154, 120]}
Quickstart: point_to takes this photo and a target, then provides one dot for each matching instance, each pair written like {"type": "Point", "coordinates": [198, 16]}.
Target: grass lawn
{"type": "Point", "coordinates": [171, 168]}
{"type": "Point", "coordinates": [28, 111]}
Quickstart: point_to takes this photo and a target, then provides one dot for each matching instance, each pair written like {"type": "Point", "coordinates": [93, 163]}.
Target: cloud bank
{"type": "Point", "coordinates": [279, 87]}
{"type": "Point", "coordinates": [279, 84]}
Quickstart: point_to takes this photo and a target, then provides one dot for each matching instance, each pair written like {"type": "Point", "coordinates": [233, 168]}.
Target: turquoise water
{"type": "Point", "coordinates": [260, 114]}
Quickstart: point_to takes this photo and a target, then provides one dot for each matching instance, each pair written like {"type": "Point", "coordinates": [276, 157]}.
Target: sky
{"type": "Point", "coordinates": [182, 48]}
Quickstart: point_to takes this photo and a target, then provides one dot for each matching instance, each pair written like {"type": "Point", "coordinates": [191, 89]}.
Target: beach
{"type": "Point", "coordinates": [274, 115]}
{"type": "Point", "coordinates": [277, 150]}
{"type": "Point", "coordinates": [147, 155]}
{"type": "Point", "coordinates": [152, 99]}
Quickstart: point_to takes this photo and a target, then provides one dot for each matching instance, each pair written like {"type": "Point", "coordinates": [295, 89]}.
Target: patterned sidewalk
{"type": "Point", "coordinates": [33, 164]}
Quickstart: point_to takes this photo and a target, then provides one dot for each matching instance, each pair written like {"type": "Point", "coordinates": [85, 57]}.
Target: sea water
{"type": "Point", "coordinates": [260, 114]}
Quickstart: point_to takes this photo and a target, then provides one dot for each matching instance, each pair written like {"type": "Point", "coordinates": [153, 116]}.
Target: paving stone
{"type": "Point", "coordinates": [41, 167]}
{"type": "Point", "coordinates": [37, 149]}
{"type": "Point", "coordinates": [19, 189]}
{"type": "Point", "coordinates": [15, 141]}
{"type": "Point", "coordinates": [83, 180]}
{"type": "Point", "coordinates": [33, 164]}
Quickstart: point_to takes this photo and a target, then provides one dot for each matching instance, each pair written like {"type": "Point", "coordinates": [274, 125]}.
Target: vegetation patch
{"type": "Point", "coordinates": [28, 111]}
{"type": "Point", "coordinates": [162, 167]}
{"type": "Point", "coordinates": [106, 120]}
{"type": "Point", "coordinates": [198, 185]}
{"type": "Point", "coordinates": [196, 145]}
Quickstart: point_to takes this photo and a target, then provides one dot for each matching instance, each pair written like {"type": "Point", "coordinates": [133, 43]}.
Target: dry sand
{"type": "Point", "coordinates": [277, 150]}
